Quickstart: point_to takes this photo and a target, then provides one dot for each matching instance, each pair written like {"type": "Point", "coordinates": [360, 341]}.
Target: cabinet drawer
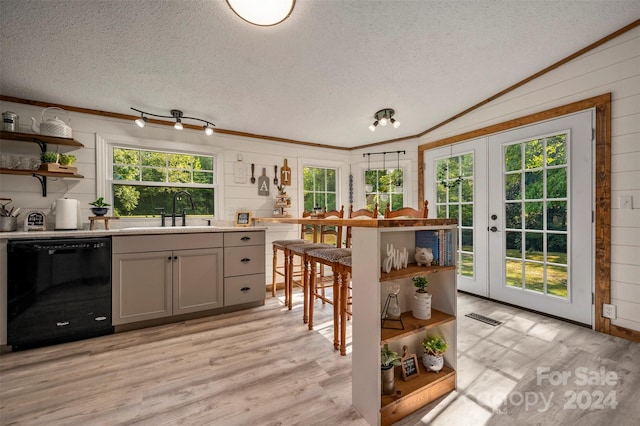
{"type": "Point", "coordinates": [244, 289]}
{"type": "Point", "coordinates": [148, 243]}
{"type": "Point", "coordinates": [243, 260]}
{"type": "Point", "coordinates": [248, 238]}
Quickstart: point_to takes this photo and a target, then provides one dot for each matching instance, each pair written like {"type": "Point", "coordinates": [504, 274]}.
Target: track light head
{"type": "Point", "coordinates": [395, 123]}
{"type": "Point", "coordinates": [383, 117]}
{"type": "Point", "coordinates": [140, 122]}
{"type": "Point", "coordinates": [208, 130]}
{"type": "Point", "coordinates": [373, 126]}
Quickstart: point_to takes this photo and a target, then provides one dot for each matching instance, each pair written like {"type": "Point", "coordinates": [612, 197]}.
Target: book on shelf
{"type": "Point", "coordinates": [441, 244]}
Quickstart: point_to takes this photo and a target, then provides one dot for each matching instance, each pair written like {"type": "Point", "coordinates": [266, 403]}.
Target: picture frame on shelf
{"type": "Point", "coordinates": [409, 365]}
{"type": "Point", "coordinates": [243, 218]}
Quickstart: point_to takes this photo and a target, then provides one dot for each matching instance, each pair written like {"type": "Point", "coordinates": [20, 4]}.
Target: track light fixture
{"type": "Point", "coordinates": [383, 117]}
{"type": "Point", "coordinates": [178, 116]}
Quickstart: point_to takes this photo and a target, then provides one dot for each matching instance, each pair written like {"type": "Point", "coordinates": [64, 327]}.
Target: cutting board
{"type": "Point", "coordinates": [263, 183]}
{"type": "Point", "coordinates": [285, 174]}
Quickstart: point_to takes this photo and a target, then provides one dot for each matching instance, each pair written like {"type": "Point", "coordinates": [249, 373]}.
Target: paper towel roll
{"type": "Point", "coordinates": [66, 213]}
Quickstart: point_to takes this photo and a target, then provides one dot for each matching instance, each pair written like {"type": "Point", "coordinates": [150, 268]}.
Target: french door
{"type": "Point", "coordinates": [525, 214]}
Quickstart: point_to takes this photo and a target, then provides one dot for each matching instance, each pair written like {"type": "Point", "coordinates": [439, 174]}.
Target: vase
{"type": "Point", "coordinates": [388, 380]}
{"type": "Point", "coordinates": [99, 211]}
{"type": "Point", "coordinates": [433, 362]}
{"type": "Point", "coordinates": [421, 305]}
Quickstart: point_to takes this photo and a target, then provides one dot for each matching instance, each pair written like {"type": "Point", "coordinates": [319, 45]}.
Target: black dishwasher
{"type": "Point", "coordinates": [58, 290]}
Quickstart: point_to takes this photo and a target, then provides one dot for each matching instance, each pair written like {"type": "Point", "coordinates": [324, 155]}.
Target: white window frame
{"type": "Point", "coordinates": [340, 168]}
{"type": "Point", "coordinates": [104, 164]}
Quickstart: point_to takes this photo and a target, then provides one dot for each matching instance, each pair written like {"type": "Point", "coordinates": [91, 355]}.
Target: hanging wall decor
{"type": "Point", "coordinates": [263, 183]}
{"type": "Point", "coordinates": [285, 174]}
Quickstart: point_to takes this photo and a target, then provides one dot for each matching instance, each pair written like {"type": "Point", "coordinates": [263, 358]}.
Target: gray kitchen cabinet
{"type": "Point", "coordinates": [244, 267]}
{"type": "Point", "coordinates": [156, 276]}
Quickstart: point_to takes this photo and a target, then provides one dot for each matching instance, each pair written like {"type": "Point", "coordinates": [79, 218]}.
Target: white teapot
{"type": "Point", "coordinates": [53, 126]}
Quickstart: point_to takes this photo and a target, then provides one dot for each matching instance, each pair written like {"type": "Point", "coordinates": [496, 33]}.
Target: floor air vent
{"type": "Point", "coordinates": [484, 319]}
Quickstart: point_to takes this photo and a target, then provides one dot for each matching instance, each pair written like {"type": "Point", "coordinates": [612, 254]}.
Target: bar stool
{"type": "Point", "coordinates": [344, 269]}
{"type": "Point", "coordinates": [280, 245]}
{"type": "Point", "coordinates": [408, 212]}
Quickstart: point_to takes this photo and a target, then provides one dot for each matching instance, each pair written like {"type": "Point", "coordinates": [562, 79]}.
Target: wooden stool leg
{"type": "Point", "coordinates": [336, 310]}
{"type": "Point", "coordinates": [344, 290]}
{"type": "Point", "coordinates": [311, 289]}
{"type": "Point", "coordinates": [288, 282]}
{"type": "Point", "coordinates": [275, 265]}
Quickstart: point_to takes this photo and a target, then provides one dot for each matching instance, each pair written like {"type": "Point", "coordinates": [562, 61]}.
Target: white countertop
{"type": "Point", "coordinates": [133, 230]}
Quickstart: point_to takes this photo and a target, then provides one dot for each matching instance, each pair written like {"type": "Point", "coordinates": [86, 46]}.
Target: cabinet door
{"type": "Point", "coordinates": [141, 286]}
{"type": "Point", "coordinates": [197, 280]}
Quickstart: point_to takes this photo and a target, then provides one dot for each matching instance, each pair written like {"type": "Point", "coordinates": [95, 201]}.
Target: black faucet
{"type": "Point", "coordinates": [183, 215]}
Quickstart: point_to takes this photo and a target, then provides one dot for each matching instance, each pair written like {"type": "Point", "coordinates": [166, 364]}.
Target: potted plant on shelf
{"type": "Point", "coordinates": [67, 159]}
{"type": "Point", "coordinates": [388, 360]}
{"type": "Point", "coordinates": [434, 349]}
{"type": "Point", "coordinates": [421, 302]}
{"type": "Point", "coordinates": [100, 208]}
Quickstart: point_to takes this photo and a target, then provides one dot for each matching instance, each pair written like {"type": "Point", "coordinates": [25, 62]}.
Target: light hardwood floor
{"type": "Point", "coordinates": [263, 367]}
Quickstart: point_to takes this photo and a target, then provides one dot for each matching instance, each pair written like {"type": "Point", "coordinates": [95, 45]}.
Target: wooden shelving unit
{"type": "Point", "coordinates": [42, 142]}
{"type": "Point", "coordinates": [369, 336]}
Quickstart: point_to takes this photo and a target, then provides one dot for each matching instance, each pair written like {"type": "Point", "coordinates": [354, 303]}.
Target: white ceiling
{"type": "Point", "coordinates": [317, 77]}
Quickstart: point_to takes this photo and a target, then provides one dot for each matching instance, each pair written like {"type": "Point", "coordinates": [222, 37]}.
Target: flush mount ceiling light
{"type": "Point", "coordinates": [178, 116]}
{"type": "Point", "coordinates": [262, 12]}
{"type": "Point", "coordinates": [383, 117]}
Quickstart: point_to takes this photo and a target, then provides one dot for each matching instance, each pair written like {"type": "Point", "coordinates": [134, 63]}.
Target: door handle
{"type": "Point", "coordinates": [492, 229]}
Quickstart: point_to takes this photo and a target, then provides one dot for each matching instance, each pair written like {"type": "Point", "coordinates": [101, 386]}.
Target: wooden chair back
{"type": "Point", "coordinates": [408, 212]}
{"type": "Point", "coordinates": [307, 231]}
{"type": "Point", "coordinates": [329, 232]}
{"type": "Point", "coordinates": [362, 213]}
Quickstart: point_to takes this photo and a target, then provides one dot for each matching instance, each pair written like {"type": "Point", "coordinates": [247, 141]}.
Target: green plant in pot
{"type": "Point", "coordinates": [100, 208]}
{"type": "Point", "coordinates": [421, 301]}
{"type": "Point", "coordinates": [49, 157]}
{"type": "Point", "coordinates": [67, 159]}
{"type": "Point", "coordinates": [434, 348]}
{"type": "Point", "coordinates": [388, 360]}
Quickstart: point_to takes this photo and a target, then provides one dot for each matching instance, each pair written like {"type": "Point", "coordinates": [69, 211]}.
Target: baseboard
{"type": "Point", "coordinates": [625, 333]}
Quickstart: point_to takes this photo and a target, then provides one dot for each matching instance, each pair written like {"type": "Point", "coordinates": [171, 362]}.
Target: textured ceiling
{"type": "Point", "coordinates": [317, 77]}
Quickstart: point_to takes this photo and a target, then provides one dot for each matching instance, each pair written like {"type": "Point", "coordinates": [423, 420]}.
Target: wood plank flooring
{"type": "Point", "coordinates": [263, 367]}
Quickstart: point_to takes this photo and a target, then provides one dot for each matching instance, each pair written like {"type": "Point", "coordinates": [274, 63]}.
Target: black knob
{"type": "Point", "coordinates": [494, 216]}
{"type": "Point", "coordinates": [493, 229]}
{"type": "Point", "coordinates": [175, 257]}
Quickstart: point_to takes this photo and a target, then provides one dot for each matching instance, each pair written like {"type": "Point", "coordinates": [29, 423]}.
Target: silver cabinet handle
{"type": "Point", "coordinates": [62, 324]}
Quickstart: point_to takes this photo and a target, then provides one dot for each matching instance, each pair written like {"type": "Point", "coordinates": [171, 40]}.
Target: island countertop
{"type": "Point", "coordinates": [356, 222]}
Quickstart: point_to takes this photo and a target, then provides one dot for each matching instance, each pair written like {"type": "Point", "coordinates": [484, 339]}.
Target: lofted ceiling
{"type": "Point", "coordinates": [318, 77]}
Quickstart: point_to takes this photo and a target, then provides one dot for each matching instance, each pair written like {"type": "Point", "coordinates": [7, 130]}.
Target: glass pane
{"type": "Point", "coordinates": [142, 201]}
{"type": "Point", "coordinates": [182, 176]}
{"type": "Point", "coordinates": [557, 215]}
{"type": "Point", "coordinates": [203, 163]}
{"type": "Point", "coordinates": [534, 246]}
{"type": "Point", "coordinates": [513, 215]}
{"type": "Point", "coordinates": [557, 279]}
{"type": "Point", "coordinates": [154, 175]}
{"type": "Point", "coordinates": [126, 156]}
{"type": "Point", "coordinates": [513, 273]}
{"type": "Point", "coordinates": [467, 190]}
{"type": "Point", "coordinates": [153, 158]}
{"type": "Point", "coordinates": [533, 154]}
{"type": "Point", "coordinates": [318, 180]}
{"type": "Point", "coordinates": [557, 248]}
{"type": "Point", "coordinates": [514, 244]}
{"type": "Point", "coordinates": [442, 211]}
{"type": "Point", "coordinates": [467, 165]}
{"type": "Point", "coordinates": [453, 211]}
{"type": "Point", "coordinates": [557, 183]}
{"type": "Point", "coordinates": [467, 240]}
{"type": "Point", "coordinates": [307, 176]}
{"type": "Point", "coordinates": [557, 150]}
{"type": "Point", "coordinates": [321, 199]}
{"type": "Point", "coordinates": [441, 196]}
{"type": "Point", "coordinates": [534, 276]}
{"type": "Point", "coordinates": [308, 201]}
{"type": "Point", "coordinates": [453, 194]}
{"type": "Point", "coordinates": [371, 202]}
{"type": "Point", "coordinates": [331, 180]}
{"type": "Point", "coordinates": [512, 158]}
{"type": "Point", "coordinates": [202, 177]}
{"type": "Point", "coordinates": [331, 202]}
{"type": "Point", "coordinates": [466, 265]}
{"type": "Point", "coordinates": [397, 201]}
{"type": "Point", "coordinates": [126, 173]}
{"type": "Point", "coordinates": [533, 185]}
{"type": "Point", "coordinates": [533, 215]}
{"type": "Point", "coordinates": [441, 170]}
{"type": "Point", "coordinates": [512, 189]}
{"type": "Point", "coordinates": [180, 161]}
{"type": "Point", "coordinates": [467, 215]}
{"type": "Point", "coordinates": [454, 168]}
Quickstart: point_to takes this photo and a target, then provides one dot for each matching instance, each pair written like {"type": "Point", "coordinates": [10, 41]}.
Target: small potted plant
{"type": "Point", "coordinates": [434, 349]}
{"type": "Point", "coordinates": [388, 360]}
{"type": "Point", "coordinates": [67, 159]}
{"type": "Point", "coordinates": [421, 303]}
{"type": "Point", "coordinates": [100, 208]}
{"type": "Point", "coordinates": [49, 157]}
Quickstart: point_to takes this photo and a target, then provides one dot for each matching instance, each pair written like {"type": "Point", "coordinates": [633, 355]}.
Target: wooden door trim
{"type": "Point", "coordinates": [602, 217]}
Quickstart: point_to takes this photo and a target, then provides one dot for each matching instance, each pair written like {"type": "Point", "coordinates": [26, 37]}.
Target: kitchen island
{"type": "Point", "coordinates": [370, 287]}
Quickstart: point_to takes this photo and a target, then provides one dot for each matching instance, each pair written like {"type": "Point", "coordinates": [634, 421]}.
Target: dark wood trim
{"type": "Point", "coordinates": [625, 333]}
{"type": "Point", "coordinates": [602, 106]}
{"type": "Point", "coordinates": [561, 62]}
